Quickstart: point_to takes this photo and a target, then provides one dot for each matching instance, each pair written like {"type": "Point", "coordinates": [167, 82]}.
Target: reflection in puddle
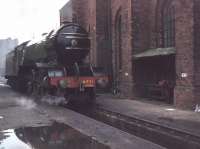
{"type": "Point", "coordinates": [8, 140]}
{"type": "Point", "coordinates": [57, 136]}
{"type": "Point", "coordinates": [3, 84]}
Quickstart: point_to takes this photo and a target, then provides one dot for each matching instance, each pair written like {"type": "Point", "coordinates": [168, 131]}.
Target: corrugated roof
{"type": "Point", "coordinates": [155, 52]}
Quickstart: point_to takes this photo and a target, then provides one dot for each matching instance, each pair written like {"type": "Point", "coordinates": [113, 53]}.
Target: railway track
{"type": "Point", "coordinates": [163, 135]}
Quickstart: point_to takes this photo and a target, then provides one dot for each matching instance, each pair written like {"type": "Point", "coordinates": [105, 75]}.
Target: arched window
{"type": "Point", "coordinates": [169, 25]}
{"type": "Point", "coordinates": [118, 40]}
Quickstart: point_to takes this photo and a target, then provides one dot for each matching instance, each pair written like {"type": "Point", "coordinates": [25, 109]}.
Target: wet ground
{"type": "Point", "coordinates": [17, 110]}
{"type": "Point", "coordinates": [57, 136]}
{"type": "Point", "coordinates": [26, 123]}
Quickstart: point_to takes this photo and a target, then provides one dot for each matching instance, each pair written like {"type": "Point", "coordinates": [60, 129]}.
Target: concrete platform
{"type": "Point", "coordinates": [18, 111]}
{"type": "Point", "coordinates": [166, 115]}
{"type": "Point", "coordinates": [111, 137]}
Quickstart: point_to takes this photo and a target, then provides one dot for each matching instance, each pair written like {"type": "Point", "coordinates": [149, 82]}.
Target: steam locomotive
{"type": "Point", "coordinates": [55, 66]}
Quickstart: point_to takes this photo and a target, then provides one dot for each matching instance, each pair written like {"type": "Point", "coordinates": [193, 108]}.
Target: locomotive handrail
{"type": "Point", "coordinates": [69, 48]}
{"type": "Point", "coordinates": [77, 69]}
{"type": "Point", "coordinates": [69, 37]}
{"type": "Point", "coordinates": [73, 34]}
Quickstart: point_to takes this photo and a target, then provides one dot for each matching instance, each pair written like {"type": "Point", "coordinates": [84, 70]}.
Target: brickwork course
{"type": "Point", "coordinates": [122, 29]}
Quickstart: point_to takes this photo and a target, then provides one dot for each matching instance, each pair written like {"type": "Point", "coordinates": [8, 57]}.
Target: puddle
{"type": "Point", "coordinates": [57, 136]}
{"type": "Point", "coordinates": [8, 140]}
{"type": "Point", "coordinates": [3, 84]}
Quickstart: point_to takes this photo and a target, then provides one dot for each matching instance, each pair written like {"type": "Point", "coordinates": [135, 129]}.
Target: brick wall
{"type": "Point", "coordinates": [196, 42]}
{"type": "Point", "coordinates": [103, 35]}
{"type": "Point", "coordinates": [81, 12]}
{"type": "Point", "coordinates": [196, 10]}
{"type": "Point", "coordinates": [184, 91]}
{"type": "Point", "coordinates": [66, 13]}
{"type": "Point", "coordinates": [141, 25]}
{"type": "Point", "coordinates": [125, 75]}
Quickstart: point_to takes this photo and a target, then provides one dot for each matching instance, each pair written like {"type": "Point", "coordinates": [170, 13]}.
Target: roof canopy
{"type": "Point", "coordinates": [155, 52]}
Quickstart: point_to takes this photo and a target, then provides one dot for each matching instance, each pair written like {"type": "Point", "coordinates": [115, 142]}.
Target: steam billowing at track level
{"type": "Point", "coordinates": [54, 66]}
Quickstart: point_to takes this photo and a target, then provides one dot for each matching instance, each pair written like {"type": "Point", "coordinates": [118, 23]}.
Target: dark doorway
{"type": "Point", "coordinates": [155, 78]}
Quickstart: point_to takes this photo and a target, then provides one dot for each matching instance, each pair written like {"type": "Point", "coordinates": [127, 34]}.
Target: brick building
{"type": "Point", "coordinates": [142, 43]}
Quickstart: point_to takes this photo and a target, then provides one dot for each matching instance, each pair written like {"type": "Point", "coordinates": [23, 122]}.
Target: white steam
{"type": "Point", "coordinates": [26, 103]}
{"type": "Point", "coordinates": [54, 100]}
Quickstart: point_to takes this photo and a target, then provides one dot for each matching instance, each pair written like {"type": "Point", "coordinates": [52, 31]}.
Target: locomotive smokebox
{"type": "Point", "coordinates": [72, 44]}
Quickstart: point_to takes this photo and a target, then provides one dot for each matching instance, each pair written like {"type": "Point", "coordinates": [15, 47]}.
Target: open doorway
{"type": "Point", "coordinates": [155, 78]}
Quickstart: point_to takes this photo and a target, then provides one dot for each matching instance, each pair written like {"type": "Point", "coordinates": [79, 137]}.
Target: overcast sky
{"type": "Point", "coordinates": [26, 19]}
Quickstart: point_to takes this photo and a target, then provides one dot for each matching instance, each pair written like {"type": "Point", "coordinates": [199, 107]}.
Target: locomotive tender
{"type": "Point", "coordinates": [55, 65]}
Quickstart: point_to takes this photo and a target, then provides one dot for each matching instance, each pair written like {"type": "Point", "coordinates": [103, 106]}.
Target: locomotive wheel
{"type": "Point", "coordinates": [29, 88]}
{"type": "Point", "coordinates": [43, 91]}
{"type": "Point", "coordinates": [91, 97]}
{"type": "Point", "coordinates": [32, 89]}
{"type": "Point", "coordinates": [67, 99]}
{"type": "Point", "coordinates": [35, 90]}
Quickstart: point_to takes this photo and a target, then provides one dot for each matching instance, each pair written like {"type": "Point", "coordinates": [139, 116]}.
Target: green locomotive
{"type": "Point", "coordinates": [55, 65]}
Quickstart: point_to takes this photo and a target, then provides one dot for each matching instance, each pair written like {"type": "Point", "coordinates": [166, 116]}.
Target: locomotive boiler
{"type": "Point", "coordinates": [56, 65]}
